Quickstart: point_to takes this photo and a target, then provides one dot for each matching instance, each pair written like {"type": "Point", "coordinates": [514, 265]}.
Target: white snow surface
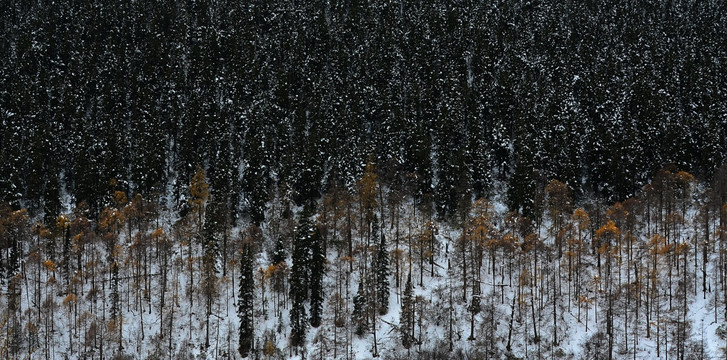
{"type": "Point", "coordinates": [142, 320]}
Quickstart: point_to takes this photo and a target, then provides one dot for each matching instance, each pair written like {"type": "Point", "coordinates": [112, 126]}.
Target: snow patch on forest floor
{"type": "Point", "coordinates": [510, 312]}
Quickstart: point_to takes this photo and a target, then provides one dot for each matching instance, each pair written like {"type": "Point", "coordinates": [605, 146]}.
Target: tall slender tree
{"type": "Point", "coordinates": [317, 272]}
{"type": "Point", "coordinates": [382, 276]}
{"type": "Point", "coordinates": [246, 301]}
{"type": "Point", "coordinates": [299, 279]}
{"type": "Point", "coordinates": [406, 320]}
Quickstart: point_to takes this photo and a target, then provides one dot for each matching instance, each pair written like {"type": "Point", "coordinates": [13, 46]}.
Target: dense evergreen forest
{"type": "Point", "coordinates": [326, 178]}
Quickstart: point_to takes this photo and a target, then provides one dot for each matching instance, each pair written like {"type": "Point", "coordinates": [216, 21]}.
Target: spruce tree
{"type": "Point", "coordinates": [523, 182]}
{"type": "Point", "coordinates": [255, 177]}
{"type": "Point", "coordinates": [317, 269]}
{"type": "Point", "coordinates": [406, 322]}
{"type": "Point", "coordinates": [297, 314]}
{"type": "Point", "coordinates": [279, 254]}
{"type": "Point", "coordinates": [299, 276]}
{"type": "Point", "coordinates": [359, 309]}
{"type": "Point", "coordinates": [213, 225]}
{"type": "Point", "coordinates": [382, 277]}
{"type": "Point", "coordinates": [245, 303]}
{"type": "Point", "coordinates": [301, 256]}
{"type": "Point", "coordinates": [214, 216]}
{"type": "Point", "coordinates": [111, 241]}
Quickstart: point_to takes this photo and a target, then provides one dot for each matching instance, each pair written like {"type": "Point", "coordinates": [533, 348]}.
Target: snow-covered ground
{"type": "Point", "coordinates": [515, 304]}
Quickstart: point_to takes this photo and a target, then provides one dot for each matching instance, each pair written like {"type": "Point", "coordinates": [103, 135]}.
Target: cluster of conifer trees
{"type": "Point", "coordinates": [135, 136]}
{"type": "Point", "coordinates": [444, 96]}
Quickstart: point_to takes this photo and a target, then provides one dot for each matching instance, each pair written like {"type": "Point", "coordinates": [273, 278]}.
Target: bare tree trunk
{"type": "Point", "coordinates": [508, 347]}
{"type": "Point", "coordinates": [555, 310]}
